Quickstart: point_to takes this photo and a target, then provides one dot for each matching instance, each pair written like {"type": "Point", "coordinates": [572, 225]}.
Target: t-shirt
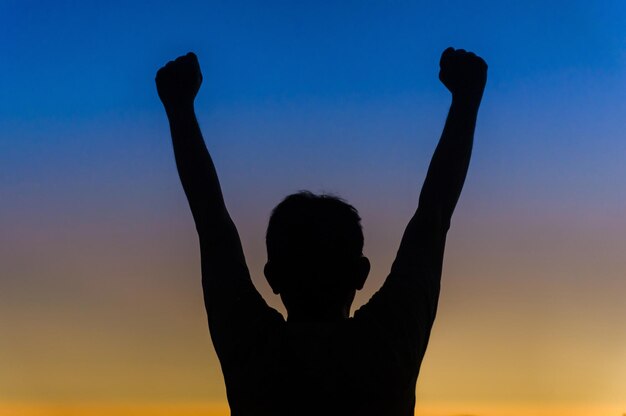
{"type": "Point", "coordinates": [364, 365]}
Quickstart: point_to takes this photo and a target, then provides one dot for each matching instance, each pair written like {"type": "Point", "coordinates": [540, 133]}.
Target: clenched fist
{"type": "Point", "coordinates": [178, 82]}
{"type": "Point", "coordinates": [463, 73]}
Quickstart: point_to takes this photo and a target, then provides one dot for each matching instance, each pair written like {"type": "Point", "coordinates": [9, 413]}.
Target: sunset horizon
{"type": "Point", "coordinates": [221, 409]}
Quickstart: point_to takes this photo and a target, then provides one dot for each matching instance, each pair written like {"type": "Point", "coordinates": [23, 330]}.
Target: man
{"type": "Point", "coordinates": [320, 361]}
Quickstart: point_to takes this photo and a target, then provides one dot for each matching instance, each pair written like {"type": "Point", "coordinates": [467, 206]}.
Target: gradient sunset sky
{"type": "Point", "coordinates": [100, 297]}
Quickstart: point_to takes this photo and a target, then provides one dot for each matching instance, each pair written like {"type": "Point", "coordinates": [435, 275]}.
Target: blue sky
{"type": "Point", "coordinates": [555, 71]}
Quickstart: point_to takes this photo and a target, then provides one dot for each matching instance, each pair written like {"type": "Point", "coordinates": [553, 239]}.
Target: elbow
{"type": "Point", "coordinates": [433, 218]}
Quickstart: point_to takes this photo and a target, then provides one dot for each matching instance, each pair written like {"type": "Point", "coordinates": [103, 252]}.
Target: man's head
{"type": "Point", "coordinates": [315, 255]}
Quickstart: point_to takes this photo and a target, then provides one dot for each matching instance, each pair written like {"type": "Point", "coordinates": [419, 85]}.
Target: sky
{"type": "Point", "coordinates": [100, 297]}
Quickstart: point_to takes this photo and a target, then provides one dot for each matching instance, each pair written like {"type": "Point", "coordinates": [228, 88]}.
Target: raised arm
{"type": "Point", "coordinates": [178, 83]}
{"type": "Point", "coordinates": [405, 307]}
{"type": "Point", "coordinates": [464, 74]}
{"type": "Point", "coordinates": [231, 301]}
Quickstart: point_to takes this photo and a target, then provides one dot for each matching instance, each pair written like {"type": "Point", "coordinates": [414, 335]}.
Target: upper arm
{"type": "Point", "coordinates": [405, 306]}
{"type": "Point", "coordinates": [235, 309]}
{"type": "Point", "coordinates": [420, 256]}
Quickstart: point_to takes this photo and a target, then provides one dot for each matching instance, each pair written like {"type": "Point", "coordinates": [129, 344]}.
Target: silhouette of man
{"type": "Point", "coordinates": [320, 361]}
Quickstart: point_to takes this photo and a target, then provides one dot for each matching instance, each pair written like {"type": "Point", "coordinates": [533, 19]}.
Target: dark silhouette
{"type": "Point", "coordinates": [319, 361]}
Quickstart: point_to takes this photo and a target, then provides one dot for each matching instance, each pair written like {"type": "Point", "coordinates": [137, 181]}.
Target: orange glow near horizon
{"type": "Point", "coordinates": [221, 409]}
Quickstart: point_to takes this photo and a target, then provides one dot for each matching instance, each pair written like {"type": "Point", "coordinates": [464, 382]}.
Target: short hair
{"type": "Point", "coordinates": [322, 224]}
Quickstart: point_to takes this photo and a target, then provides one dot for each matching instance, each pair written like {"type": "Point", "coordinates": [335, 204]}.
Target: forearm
{"type": "Point", "coordinates": [177, 84]}
{"type": "Point", "coordinates": [419, 261]}
{"type": "Point", "coordinates": [420, 256]}
{"type": "Point", "coordinates": [450, 162]}
{"type": "Point", "coordinates": [195, 169]}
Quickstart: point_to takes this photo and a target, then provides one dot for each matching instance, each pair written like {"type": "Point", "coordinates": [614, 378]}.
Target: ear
{"type": "Point", "coordinates": [362, 271]}
{"type": "Point", "coordinates": [272, 277]}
